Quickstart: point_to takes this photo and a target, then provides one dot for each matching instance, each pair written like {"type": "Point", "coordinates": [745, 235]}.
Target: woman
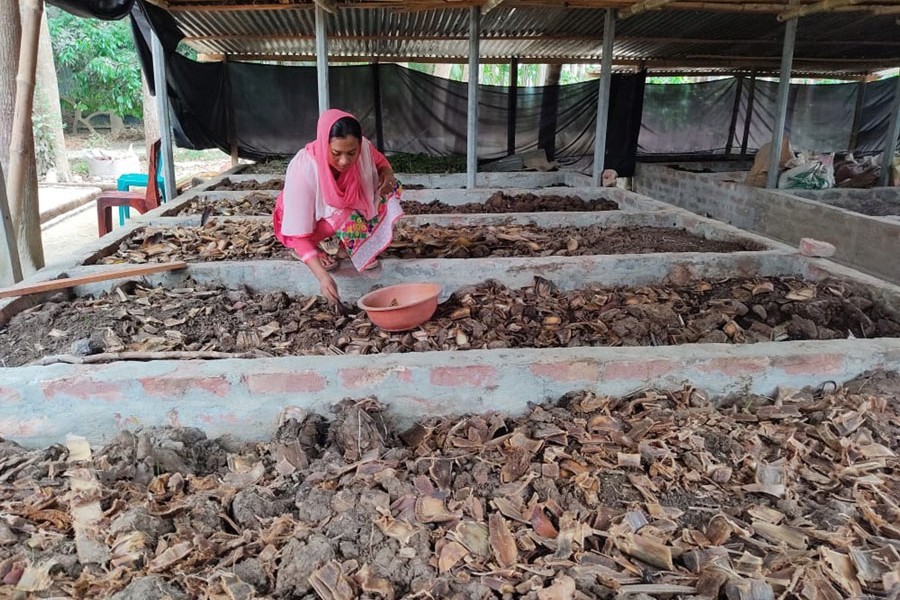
{"type": "Point", "coordinates": [338, 185]}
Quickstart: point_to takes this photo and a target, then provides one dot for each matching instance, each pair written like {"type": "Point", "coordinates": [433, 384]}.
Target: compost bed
{"type": "Point", "coordinates": [229, 185]}
{"type": "Point", "coordinates": [261, 204]}
{"type": "Point", "coordinates": [188, 322]}
{"type": "Point", "coordinates": [255, 240]}
{"type": "Point", "coordinates": [656, 495]}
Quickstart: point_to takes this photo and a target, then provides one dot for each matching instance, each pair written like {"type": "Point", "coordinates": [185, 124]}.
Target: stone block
{"type": "Point", "coordinates": [818, 248]}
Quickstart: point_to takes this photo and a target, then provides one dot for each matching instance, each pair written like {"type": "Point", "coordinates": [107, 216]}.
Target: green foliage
{"type": "Point", "coordinates": [100, 55]}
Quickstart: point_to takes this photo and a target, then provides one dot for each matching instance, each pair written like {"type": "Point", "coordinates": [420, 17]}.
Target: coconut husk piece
{"type": "Point", "coordinates": [502, 542]}
{"type": "Point", "coordinates": [330, 582]}
{"type": "Point", "coordinates": [647, 549]}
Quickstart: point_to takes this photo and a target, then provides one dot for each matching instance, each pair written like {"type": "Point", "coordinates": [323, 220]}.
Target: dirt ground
{"type": "Point", "coordinates": [657, 495]}
{"type": "Point", "coordinates": [195, 321]}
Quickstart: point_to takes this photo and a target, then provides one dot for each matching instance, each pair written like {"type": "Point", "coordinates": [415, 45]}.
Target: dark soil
{"type": "Point", "coordinates": [262, 203]}
{"type": "Point", "coordinates": [545, 506]}
{"type": "Point", "coordinates": [273, 166]}
{"type": "Point", "coordinates": [479, 241]}
{"type": "Point", "coordinates": [489, 316]}
{"type": "Point", "coordinates": [227, 185]}
{"type": "Point", "coordinates": [255, 240]}
{"type": "Point", "coordinates": [501, 202]}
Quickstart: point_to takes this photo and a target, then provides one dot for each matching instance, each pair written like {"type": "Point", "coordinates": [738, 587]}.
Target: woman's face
{"type": "Point", "coordinates": [343, 152]}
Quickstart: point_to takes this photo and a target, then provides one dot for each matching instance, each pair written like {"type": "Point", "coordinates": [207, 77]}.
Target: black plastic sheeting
{"type": "Point", "coordinates": [108, 10]}
{"type": "Point", "coordinates": [272, 110]}
{"type": "Point", "coordinates": [696, 117]}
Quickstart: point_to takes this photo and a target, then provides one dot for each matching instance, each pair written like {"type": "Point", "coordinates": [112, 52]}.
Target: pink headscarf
{"type": "Point", "coordinates": [346, 191]}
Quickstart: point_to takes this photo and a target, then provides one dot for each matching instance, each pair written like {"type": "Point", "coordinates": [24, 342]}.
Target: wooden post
{"type": "Point", "coordinates": [9, 233]}
{"type": "Point", "coordinates": [18, 148]}
{"type": "Point", "coordinates": [729, 145]}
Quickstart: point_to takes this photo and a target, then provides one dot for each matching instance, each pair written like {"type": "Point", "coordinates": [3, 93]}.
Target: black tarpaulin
{"type": "Point", "coordinates": [695, 117]}
{"type": "Point", "coordinates": [109, 10]}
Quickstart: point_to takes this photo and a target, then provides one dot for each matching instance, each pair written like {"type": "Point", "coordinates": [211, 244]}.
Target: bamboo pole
{"type": "Point", "coordinates": [636, 9]}
{"type": "Point", "coordinates": [811, 9]}
{"type": "Point", "coordinates": [9, 233]}
{"type": "Point", "coordinates": [19, 152]}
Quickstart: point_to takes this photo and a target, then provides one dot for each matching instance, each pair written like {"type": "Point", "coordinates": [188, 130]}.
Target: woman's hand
{"type": "Point", "coordinates": [386, 182]}
{"type": "Point", "coordinates": [326, 281]}
{"type": "Point", "coordinates": [329, 288]}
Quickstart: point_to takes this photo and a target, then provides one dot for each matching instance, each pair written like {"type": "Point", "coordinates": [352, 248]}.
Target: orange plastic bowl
{"type": "Point", "coordinates": [401, 307]}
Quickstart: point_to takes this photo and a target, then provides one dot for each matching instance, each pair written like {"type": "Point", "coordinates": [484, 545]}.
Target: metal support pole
{"type": "Point", "coordinates": [322, 59]}
{"type": "Point", "coordinates": [890, 140]}
{"type": "Point", "coordinates": [609, 32]}
{"type": "Point", "coordinates": [784, 88]}
{"type": "Point", "coordinates": [512, 106]}
{"type": "Point", "coordinates": [472, 125]}
{"type": "Point", "coordinates": [167, 167]}
{"type": "Point", "coordinates": [751, 95]}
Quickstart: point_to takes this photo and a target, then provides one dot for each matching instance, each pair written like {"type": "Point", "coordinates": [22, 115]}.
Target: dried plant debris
{"type": "Point", "coordinates": [219, 239]}
{"type": "Point", "coordinates": [656, 495]}
{"type": "Point", "coordinates": [230, 185]}
{"type": "Point", "coordinates": [199, 322]}
{"type": "Point", "coordinates": [503, 202]}
{"type": "Point", "coordinates": [254, 204]}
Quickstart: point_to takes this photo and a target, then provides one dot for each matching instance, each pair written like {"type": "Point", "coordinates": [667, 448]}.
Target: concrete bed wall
{"type": "Point", "coordinates": [856, 200]}
{"type": "Point", "coordinates": [868, 243]}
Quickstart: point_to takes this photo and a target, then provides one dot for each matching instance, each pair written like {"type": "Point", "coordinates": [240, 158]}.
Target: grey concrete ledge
{"type": "Point", "coordinates": [43, 404]}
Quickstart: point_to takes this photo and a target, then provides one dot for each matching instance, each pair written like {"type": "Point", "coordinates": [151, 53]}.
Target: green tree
{"type": "Point", "coordinates": [100, 63]}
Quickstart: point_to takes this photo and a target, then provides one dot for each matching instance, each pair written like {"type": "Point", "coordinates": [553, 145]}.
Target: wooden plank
{"type": "Point", "coordinates": [59, 284]}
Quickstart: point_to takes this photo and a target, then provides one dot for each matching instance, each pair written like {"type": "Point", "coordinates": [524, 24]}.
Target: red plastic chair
{"type": "Point", "coordinates": [141, 202]}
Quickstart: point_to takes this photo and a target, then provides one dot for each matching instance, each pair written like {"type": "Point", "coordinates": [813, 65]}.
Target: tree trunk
{"type": "Point", "coordinates": [151, 122]}
{"type": "Point", "coordinates": [23, 204]}
{"type": "Point", "coordinates": [116, 126]}
{"type": "Point", "coordinates": [46, 103]}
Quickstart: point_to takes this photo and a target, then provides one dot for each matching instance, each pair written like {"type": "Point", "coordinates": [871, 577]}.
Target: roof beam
{"type": "Point", "coordinates": [638, 8]}
{"type": "Point", "coordinates": [489, 6]}
{"type": "Point", "coordinates": [329, 6]}
{"type": "Point", "coordinates": [811, 9]}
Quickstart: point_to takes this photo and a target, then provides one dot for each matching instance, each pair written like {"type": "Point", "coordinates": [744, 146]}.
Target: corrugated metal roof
{"type": "Point", "coordinates": [828, 42]}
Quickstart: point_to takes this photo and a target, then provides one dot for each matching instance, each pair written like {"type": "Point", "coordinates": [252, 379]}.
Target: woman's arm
{"type": "Point", "coordinates": [386, 180]}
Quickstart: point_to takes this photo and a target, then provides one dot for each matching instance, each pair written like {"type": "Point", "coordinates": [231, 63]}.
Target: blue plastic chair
{"type": "Point", "coordinates": [129, 180]}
